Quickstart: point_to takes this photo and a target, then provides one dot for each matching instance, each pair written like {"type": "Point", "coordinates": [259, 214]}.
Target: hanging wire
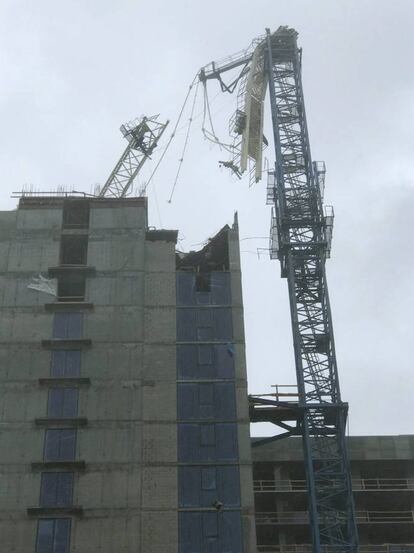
{"type": "Point", "coordinates": [180, 161]}
{"type": "Point", "coordinates": [173, 133]}
{"type": "Point", "coordinates": [211, 135]}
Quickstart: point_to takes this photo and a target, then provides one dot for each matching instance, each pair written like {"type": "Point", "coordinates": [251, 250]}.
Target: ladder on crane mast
{"type": "Point", "coordinates": [301, 233]}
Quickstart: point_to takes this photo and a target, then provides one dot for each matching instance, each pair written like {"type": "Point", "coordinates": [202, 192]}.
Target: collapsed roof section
{"type": "Point", "coordinates": [214, 256]}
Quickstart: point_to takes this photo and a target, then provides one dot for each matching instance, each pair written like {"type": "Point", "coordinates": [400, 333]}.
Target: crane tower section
{"type": "Point", "coordinates": [303, 232]}
{"type": "Point", "coordinates": [143, 135]}
{"type": "Point", "coordinates": [300, 237]}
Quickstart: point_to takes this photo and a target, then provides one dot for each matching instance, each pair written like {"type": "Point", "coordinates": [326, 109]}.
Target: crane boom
{"type": "Point", "coordinates": [143, 136]}
{"type": "Point", "coordinates": [301, 232]}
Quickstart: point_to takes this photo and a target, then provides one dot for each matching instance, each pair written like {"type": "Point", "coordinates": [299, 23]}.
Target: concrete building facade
{"type": "Point", "coordinates": [110, 384]}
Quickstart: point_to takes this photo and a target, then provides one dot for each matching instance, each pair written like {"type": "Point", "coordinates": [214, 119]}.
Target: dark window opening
{"type": "Point", "coordinates": [56, 489]}
{"type": "Point", "coordinates": [53, 535]}
{"type": "Point", "coordinates": [62, 402]}
{"type": "Point", "coordinates": [203, 282]}
{"type": "Point", "coordinates": [68, 326]}
{"type": "Point", "coordinates": [76, 214]}
{"type": "Point", "coordinates": [65, 363]}
{"type": "Point", "coordinates": [73, 249]}
{"type": "Point", "coordinates": [60, 444]}
{"type": "Point", "coordinates": [71, 287]}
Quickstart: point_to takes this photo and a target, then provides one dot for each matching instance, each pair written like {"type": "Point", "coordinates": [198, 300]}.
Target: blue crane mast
{"type": "Point", "coordinates": [300, 238]}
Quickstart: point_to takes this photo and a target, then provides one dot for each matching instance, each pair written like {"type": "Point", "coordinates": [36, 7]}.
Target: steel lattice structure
{"type": "Point", "coordinates": [301, 232]}
{"type": "Point", "coordinates": [143, 136]}
{"type": "Point", "coordinates": [304, 239]}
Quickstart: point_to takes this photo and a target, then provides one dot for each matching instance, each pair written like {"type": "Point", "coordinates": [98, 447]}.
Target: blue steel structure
{"type": "Point", "coordinates": [301, 233]}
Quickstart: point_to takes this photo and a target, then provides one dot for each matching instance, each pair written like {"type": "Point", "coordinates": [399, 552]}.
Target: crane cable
{"type": "Point", "coordinates": [211, 136]}
{"type": "Point", "coordinates": [172, 134]}
{"type": "Point", "coordinates": [180, 161]}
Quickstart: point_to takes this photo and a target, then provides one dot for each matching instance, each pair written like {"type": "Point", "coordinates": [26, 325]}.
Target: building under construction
{"type": "Point", "coordinates": [125, 415]}
{"type": "Point", "coordinates": [125, 412]}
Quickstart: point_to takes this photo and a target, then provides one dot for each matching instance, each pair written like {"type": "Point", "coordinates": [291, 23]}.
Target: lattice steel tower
{"type": "Point", "coordinates": [300, 238]}
{"type": "Point", "coordinates": [304, 237]}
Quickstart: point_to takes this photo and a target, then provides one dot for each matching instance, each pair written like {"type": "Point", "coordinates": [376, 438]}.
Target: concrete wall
{"type": "Point", "coordinates": [29, 244]}
{"type": "Point", "coordinates": [245, 452]}
{"type": "Point", "coordinates": [128, 490]}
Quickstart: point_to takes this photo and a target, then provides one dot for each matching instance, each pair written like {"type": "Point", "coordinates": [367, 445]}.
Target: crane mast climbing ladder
{"type": "Point", "coordinates": [301, 232]}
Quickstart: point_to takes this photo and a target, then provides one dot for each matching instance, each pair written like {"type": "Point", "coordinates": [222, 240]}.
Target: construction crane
{"type": "Point", "coordinates": [301, 232]}
{"type": "Point", "coordinates": [143, 135]}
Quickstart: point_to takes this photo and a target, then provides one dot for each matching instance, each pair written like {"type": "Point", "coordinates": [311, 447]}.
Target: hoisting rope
{"type": "Point", "coordinates": [172, 134]}
{"type": "Point", "coordinates": [211, 135]}
{"type": "Point", "coordinates": [180, 161]}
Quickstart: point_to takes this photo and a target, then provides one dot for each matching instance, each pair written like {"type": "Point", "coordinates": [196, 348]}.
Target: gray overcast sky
{"type": "Point", "coordinates": [72, 71]}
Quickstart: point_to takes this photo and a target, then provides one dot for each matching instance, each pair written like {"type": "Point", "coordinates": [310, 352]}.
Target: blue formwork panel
{"type": "Point", "coordinates": [210, 532]}
{"type": "Point", "coordinates": [203, 486]}
{"type": "Point", "coordinates": [186, 288]}
{"type": "Point", "coordinates": [205, 361]}
{"type": "Point", "coordinates": [220, 288]}
{"type": "Point", "coordinates": [204, 324]}
{"type": "Point", "coordinates": [68, 326]}
{"type": "Point", "coordinates": [218, 294]}
{"type": "Point", "coordinates": [207, 442]}
{"type": "Point", "coordinates": [206, 401]}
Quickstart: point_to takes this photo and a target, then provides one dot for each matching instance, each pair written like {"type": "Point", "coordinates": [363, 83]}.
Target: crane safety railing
{"type": "Point", "coordinates": [362, 517]}
{"type": "Point", "coordinates": [358, 484]}
{"type": "Point", "coordinates": [307, 548]}
{"type": "Point", "coordinates": [282, 392]}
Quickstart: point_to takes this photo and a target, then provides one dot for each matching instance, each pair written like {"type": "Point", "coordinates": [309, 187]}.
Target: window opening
{"type": "Point", "coordinates": [56, 489]}
{"type": "Point", "coordinates": [76, 214]}
{"type": "Point", "coordinates": [68, 326]}
{"type": "Point", "coordinates": [62, 402]}
{"type": "Point", "coordinates": [71, 287]}
{"type": "Point", "coordinates": [60, 444]}
{"type": "Point", "coordinates": [65, 363]}
{"type": "Point", "coordinates": [53, 535]}
{"type": "Point", "coordinates": [203, 282]}
{"type": "Point", "coordinates": [73, 249]}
